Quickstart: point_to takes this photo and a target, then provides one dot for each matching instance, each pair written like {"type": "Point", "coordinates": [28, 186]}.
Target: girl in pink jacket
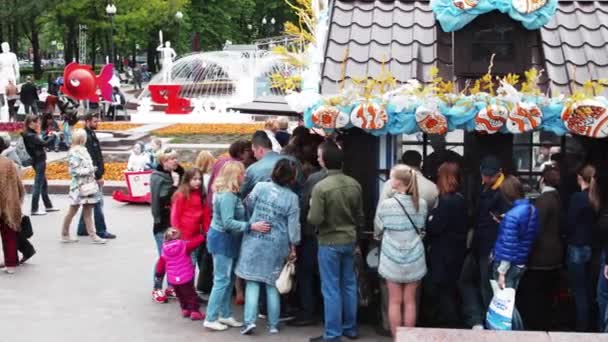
{"type": "Point", "coordinates": [176, 262]}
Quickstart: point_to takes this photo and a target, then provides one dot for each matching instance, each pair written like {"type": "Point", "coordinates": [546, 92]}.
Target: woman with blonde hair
{"type": "Point", "coordinates": [400, 222]}
{"type": "Point", "coordinates": [84, 190]}
{"type": "Point", "coordinates": [224, 242]}
{"type": "Point", "coordinates": [204, 162]}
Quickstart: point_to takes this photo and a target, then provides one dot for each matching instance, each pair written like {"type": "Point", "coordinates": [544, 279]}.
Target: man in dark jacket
{"type": "Point", "coordinates": [475, 278]}
{"type": "Point", "coordinates": [306, 263]}
{"type": "Point", "coordinates": [541, 281]}
{"type": "Point", "coordinates": [29, 96]}
{"type": "Point", "coordinates": [90, 125]}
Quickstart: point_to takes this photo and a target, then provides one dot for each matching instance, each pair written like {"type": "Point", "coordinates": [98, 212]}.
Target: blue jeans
{"type": "Point", "coordinates": [306, 266]}
{"type": "Point", "coordinates": [56, 140]}
{"type": "Point", "coordinates": [602, 297]}
{"type": "Point", "coordinates": [339, 287]}
{"type": "Point", "coordinates": [159, 239]}
{"type": "Point", "coordinates": [220, 305]}
{"type": "Point", "coordinates": [41, 187]}
{"type": "Point", "coordinates": [67, 134]}
{"type": "Point", "coordinates": [252, 297]}
{"type": "Point", "coordinates": [100, 221]}
{"type": "Point", "coordinates": [578, 258]}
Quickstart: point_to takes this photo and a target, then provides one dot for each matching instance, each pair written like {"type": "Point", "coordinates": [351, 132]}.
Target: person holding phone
{"type": "Point", "coordinates": [475, 278]}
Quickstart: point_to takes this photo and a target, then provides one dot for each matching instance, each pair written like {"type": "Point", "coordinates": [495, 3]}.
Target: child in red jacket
{"type": "Point", "coordinates": [190, 213]}
{"type": "Point", "coordinates": [175, 260]}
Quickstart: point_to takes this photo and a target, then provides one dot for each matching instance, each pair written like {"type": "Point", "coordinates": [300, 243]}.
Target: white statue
{"type": "Point", "coordinates": [167, 55]}
{"type": "Point", "coordinates": [9, 67]}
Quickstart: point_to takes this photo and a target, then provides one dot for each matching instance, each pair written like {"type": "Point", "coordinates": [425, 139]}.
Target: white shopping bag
{"type": "Point", "coordinates": [500, 312]}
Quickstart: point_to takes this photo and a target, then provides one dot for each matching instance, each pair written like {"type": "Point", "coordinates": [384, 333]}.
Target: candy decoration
{"type": "Point", "coordinates": [430, 121]}
{"type": "Point", "coordinates": [369, 115]}
{"type": "Point", "coordinates": [329, 117]}
{"type": "Point", "coordinates": [528, 6]}
{"type": "Point", "coordinates": [588, 118]}
{"type": "Point", "coordinates": [465, 4]}
{"type": "Point", "coordinates": [491, 118]}
{"type": "Point", "coordinates": [524, 117]}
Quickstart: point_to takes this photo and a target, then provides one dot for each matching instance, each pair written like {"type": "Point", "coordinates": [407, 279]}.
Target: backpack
{"type": "Point", "coordinates": [22, 153]}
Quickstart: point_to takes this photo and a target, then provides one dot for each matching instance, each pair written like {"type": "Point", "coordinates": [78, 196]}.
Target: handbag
{"type": "Point", "coordinates": [26, 227]}
{"type": "Point", "coordinates": [88, 189]}
{"type": "Point", "coordinates": [285, 281]}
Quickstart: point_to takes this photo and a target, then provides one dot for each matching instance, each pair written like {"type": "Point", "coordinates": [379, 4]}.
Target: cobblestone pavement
{"type": "Point", "coordinates": [101, 293]}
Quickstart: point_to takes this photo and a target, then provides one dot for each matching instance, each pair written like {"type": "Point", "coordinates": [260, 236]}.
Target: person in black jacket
{"type": "Point", "coordinates": [447, 241]}
{"type": "Point", "coordinates": [94, 148]}
{"type": "Point", "coordinates": [598, 195]}
{"type": "Point", "coordinates": [475, 278]}
{"type": "Point", "coordinates": [579, 237]}
{"type": "Point", "coordinates": [35, 147]}
{"type": "Point", "coordinates": [29, 96]}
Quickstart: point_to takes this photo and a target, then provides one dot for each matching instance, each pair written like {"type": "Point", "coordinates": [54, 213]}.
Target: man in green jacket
{"type": "Point", "coordinates": [336, 208]}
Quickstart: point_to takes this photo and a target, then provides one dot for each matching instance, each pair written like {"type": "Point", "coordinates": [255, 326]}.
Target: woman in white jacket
{"type": "Point", "coordinates": [84, 190]}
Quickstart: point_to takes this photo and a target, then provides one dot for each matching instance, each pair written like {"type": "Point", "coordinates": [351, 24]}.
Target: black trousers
{"type": "Point", "coordinates": [204, 282]}
{"type": "Point", "coordinates": [24, 246]}
{"type": "Point", "coordinates": [535, 298]}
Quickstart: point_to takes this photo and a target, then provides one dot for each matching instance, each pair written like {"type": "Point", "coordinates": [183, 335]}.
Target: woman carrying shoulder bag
{"type": "Point", "coordinates": [400, 220]}
{"type": "Point", "coordinates": [84, 190]}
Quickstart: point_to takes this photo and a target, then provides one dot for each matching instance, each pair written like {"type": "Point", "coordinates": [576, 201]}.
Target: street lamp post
{"type": "Point", "coordinates": [178, 17]}
{"type": "Point", "coordinates": [111, 11]}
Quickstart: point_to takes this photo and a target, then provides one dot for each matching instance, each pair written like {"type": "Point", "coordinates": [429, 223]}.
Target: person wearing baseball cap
{"type": "Point", "coordinates": [476, 291]}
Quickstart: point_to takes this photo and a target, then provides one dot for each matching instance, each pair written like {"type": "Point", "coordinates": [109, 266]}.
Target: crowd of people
{"type": "Point", "coordinates": [239, 219]}
{"type": "Point", "coordinates": [259, 208]}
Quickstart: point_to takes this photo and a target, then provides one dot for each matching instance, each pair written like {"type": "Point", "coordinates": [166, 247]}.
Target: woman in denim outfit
{"type": "Point", "coordinates": [517, 233]}
{"type": "Point", "coordinates": [579, 236]}
{"type": "Point", "coordinates": [224, 242]}
{"type": "Point", "coordinates": [263, 255]}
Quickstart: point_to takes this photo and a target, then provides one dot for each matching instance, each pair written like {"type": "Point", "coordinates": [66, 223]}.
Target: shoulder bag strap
{"type": "Point", "coordinates": [408, 216]}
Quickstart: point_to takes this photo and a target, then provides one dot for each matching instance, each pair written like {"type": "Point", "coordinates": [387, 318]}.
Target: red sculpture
{"type": "Point", "coordinates": [169, 94]}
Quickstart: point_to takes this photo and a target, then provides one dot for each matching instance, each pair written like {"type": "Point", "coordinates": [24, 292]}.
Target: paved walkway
{"type": "Point", "coordinates": [101, 293]}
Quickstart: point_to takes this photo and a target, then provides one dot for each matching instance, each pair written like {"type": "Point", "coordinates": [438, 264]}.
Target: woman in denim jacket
{"type": "Point", "coordinates": [224, 242]}
{"type": "Point", "coordinates": [263, 255]}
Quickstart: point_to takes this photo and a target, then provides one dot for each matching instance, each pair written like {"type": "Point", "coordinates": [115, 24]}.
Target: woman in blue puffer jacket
{"type": "Point", "coordinates": [516, 236]}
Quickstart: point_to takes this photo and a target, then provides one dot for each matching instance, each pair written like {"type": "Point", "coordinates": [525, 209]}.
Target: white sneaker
{"type": "Point", "coordinates": [68, 239]}
{"type": "Point", "coordinates": [97, 240]}
{"type": "Point", "coordinates": [231, 322]}
{"type": "Point", "coordinates": [9, 270]}
{"type": "Point", "coordinates": [217, 326]}
{"type": "Point", "coordinates": [40, 212]}
{"type": "Point", "coordinates": [478, 327]}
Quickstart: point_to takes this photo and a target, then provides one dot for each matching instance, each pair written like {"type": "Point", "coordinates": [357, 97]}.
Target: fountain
{"type": "Point", "coordinates": [213, 82]}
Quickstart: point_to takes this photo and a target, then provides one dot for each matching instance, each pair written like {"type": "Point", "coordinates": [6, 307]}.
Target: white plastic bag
{"type": "Point", "coordinates": [285, 281]}
{"type": "Point", "coordinates": [500, 312]}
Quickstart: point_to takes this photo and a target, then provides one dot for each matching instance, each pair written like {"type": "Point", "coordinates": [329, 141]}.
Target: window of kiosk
{"type": "Point", "coordinates": [531, 153]}
{"type": "Point", "coordinates": [424, 144]}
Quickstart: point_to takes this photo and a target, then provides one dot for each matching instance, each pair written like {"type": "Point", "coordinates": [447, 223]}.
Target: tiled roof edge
{"type": "Point", "coordinates": [413, 60]}
{"type": "Point", "coordinates": [433, 43]}
{"type": "Point", "coordinates": [581, 9]}
{"type": "Point", "coordinates": [387, 26]}
{"type": "Point", "coordinates": [576, 28]}
{"type": "Point", "coordinates": [386, 10]}
{"type": "Point", "coordinates": [576, 64]}
{"type": "Point", "coordinates": [575, 46]}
